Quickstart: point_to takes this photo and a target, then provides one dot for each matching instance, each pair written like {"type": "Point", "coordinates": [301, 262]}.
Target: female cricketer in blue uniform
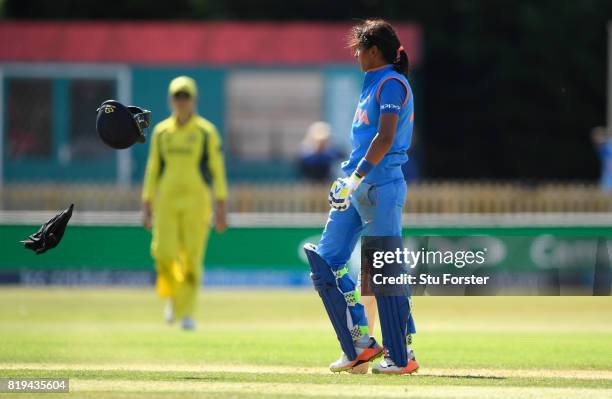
{"type": "Point", "coordinates": [369, 201]}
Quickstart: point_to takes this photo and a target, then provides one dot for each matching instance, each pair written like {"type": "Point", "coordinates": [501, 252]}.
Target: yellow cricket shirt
{"type": "Point", "coordinates": [183, 159]}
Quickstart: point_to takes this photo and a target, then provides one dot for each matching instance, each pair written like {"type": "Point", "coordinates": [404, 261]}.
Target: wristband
{"type": "Point", "coordinates": [353, 181]}
{"type": "Point", "coordinates": [364, 166]}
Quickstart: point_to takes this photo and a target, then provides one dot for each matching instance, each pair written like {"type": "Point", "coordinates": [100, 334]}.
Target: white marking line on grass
{"type": "Point", "coordinates": [337, 390]}
{"type": "Point", "coordinates": [243, 368]}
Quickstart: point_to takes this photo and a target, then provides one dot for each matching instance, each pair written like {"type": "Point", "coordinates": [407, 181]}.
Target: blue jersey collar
{"type": "Point", "coordinates": [376, 73]}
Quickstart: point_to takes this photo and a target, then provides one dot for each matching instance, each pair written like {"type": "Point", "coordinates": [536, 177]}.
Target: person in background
{"type": "Point", "coordinates": [317, 157]}
{"type": "Point", "coordinates": [185, 161]}
{"type": "Point", "coordinates": [603, 142]}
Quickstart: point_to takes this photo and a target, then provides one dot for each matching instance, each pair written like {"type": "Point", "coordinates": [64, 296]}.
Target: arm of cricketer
{"type": "Point", "coordinates": [380, 145]}
{"type": "Point", "coordinates": [216, 163]}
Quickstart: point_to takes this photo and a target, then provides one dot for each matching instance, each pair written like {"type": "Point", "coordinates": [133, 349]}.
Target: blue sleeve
{"type": "Point", "coordinates": [392, 96]}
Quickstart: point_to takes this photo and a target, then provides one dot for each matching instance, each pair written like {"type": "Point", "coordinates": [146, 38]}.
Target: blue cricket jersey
{"type": "Point", "coordinates": [605, 154]}
{"type": "Point", "coordinates": [384, 90]}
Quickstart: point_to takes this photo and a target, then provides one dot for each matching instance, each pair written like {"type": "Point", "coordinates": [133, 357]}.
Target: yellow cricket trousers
{"type": "Point", "coordinates": [181, 227]}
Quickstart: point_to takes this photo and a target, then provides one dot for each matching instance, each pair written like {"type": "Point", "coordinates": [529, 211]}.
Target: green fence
{"type": "Point", "coordinates": [245, 248]}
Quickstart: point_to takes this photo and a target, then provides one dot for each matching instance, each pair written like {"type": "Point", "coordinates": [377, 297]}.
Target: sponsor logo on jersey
{"type": "Point", "coordinates": [361, 117]}
{"type": "Point", "coordinates": [390, 106]}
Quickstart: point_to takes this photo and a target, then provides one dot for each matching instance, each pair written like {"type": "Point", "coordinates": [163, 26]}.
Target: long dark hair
{"type": "Point", "coordinates": [380, 33]}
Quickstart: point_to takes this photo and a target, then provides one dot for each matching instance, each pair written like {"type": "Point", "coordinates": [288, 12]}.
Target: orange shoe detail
{"type": "Point", "coordinates": [410, 368]}
{"type": "Point", "coordinates": [369, 354]}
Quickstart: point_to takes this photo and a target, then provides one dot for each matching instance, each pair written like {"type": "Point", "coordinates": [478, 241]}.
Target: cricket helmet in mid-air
{"type": "Point", "coordinates": [121, 126]}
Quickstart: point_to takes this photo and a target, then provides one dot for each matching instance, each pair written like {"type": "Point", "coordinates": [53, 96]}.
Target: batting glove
{"type": "Point", "coordinates": [341, 190]}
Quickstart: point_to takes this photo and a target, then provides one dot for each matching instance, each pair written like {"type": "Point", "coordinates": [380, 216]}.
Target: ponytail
{"type": "Point", "coordinates": [402, 64]}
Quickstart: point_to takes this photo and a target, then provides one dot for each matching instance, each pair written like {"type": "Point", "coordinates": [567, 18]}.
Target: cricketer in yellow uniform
{"type": "Point", "coordinates": [185, 161]}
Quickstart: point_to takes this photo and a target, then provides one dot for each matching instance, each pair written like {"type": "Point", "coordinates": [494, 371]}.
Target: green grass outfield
{"type": "Point", "coordinates": [112, 343]}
